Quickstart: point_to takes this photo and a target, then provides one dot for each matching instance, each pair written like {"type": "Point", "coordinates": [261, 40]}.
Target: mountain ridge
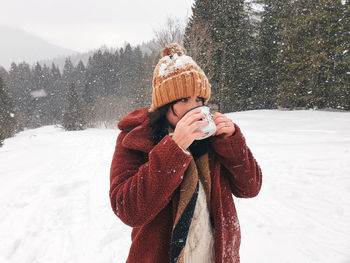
{"type": "Point", "coordinates": [18, 45]}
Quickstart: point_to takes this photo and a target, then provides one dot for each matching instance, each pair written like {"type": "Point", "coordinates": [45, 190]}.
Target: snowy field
{"type": "Point", "coordinates": [54, 204]}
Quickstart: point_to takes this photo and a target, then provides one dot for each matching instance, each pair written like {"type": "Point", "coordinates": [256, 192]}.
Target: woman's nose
{"type": "Point", "coordinates": [190, 107]}
{"type": "Point", "coordinates": [193, 104]}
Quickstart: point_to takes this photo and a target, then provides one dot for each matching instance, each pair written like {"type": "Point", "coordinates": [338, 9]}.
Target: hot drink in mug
{"type": "Point", "coordinates": [209, 129]}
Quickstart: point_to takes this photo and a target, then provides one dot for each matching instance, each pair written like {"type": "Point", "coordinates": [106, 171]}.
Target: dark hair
{"type": "Point", "coordinates": [159, 123]}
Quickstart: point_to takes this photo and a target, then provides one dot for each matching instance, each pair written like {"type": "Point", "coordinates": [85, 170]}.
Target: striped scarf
{"type": "Point", "coordinates": [198, 169]}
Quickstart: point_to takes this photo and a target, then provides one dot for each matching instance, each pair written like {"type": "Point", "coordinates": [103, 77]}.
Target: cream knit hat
{"type": "Point", "coordinates": [177, 76]}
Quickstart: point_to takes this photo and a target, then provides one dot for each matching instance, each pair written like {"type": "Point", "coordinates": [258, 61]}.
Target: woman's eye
{"type": "Point", "coordinates": [200, 99]}
{"type": "Point", "coordinates": [183, 100]}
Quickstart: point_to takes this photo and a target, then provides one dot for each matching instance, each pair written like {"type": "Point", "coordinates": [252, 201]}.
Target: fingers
{"type": "Point", "coordinates": [223, 124]}
{"type": "Point", "coordinates": [227, 128]}
{"type": "Point", "coordinates": [191, 129]}
{"type": "Point", "coordinates": [188, 115]}
{"type": "Point", "coordinates": [198, 124]}
{"type": "Point", "coordinates": [221, 130]}
{"type": "Point", "coordinates": [220, 119]}
{"type": "Point", "coordinates": [186, 129]}
{"type": "Point", "coordinates": [198, 134]}
{"type": "Point", "coordinates": [192, 117]}
{"type": "Point", "coordinates": [217, 115]}
{"type": "Point", "coordinates": [184, 135]}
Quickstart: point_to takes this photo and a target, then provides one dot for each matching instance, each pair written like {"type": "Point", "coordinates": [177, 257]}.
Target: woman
{"type": "Point", "coordinates": [174, 189]}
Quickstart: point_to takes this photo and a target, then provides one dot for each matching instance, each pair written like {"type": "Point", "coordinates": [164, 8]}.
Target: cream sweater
{"type": "Point", "coordinates": [200, 241]}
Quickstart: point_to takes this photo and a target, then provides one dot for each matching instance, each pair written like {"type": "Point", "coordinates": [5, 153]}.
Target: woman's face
{"type": "Point", "coordinates": [181, 107]}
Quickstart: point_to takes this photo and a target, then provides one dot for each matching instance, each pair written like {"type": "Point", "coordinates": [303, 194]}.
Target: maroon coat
{"type": "Point", "coordinates": [144, 188]}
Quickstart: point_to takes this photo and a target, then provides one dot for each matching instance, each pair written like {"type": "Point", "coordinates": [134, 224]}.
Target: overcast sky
{"type": "Point", "coordinates": [83, 25]}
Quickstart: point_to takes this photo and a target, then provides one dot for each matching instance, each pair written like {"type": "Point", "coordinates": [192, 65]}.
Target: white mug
{"type": "Point", "coordinates": [209, 129]}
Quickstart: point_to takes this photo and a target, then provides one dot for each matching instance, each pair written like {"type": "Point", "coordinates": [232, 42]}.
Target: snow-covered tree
{"type": "Point", "coordinates": [73, 116]}
{"type": "Point", "coordinates": [7, 113]}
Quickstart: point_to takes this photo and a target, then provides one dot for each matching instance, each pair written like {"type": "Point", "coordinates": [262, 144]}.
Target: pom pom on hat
{"type": "Point", "coordinates": [177, 76]}
{"type": "Point", "coordinates": [172, 49]}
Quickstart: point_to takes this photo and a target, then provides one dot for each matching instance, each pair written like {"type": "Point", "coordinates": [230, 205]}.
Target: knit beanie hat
{"type": "Point", "coordinates": [177, 76]}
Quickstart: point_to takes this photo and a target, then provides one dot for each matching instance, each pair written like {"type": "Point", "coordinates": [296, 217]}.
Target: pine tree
{"type": "Point", "coordinates": [2, 138]}
{"type": "Point", "coordinates": [56, 98]}
{"type": "Point", "coordinates": [68, 72]}
{"type": "Point", "coordinates": [225, 51]}
{"type": "Point", "coordinates": [137, 86]}
{"type": "Point", "coordinates": [313, 56]}
{"type": "Point", "coordinates": [98, 73]}
{"type": "Point", "coordinates": [73, 114]}
{"type": "Point", "coordinates": [269, 39]}
{"type": "Point", "coordinates": [79, 77]}
{"type": "Point", "coordinates": [127, 71]}
{"type": "Point", "coordinates": [4, 74]}
{"type": "Point", "coordinates": [340, 52]}
{"type": "Point", "coordinates": [200, 42]}
{"type": "Point", "coordinates": [20, 87]}
{"type": "Point", "coordinates": [7, 113]}
{"type": "Point", "coordinates": [40, 96]}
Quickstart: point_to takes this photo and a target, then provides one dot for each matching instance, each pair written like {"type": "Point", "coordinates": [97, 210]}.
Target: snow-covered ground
{"type": "Point", "coordinates": [54, 204]}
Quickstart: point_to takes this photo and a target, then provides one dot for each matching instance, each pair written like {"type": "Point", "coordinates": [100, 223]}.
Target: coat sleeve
{"type": "Point", "coordinates": [238, 163]}
{"type": "Point", "coordinates": [140, 189]}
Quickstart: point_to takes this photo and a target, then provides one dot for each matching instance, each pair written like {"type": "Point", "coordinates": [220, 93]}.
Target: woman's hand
{"type": "Point", "coordinates": [224, 126]}
{"type": "Point", "coordinates": [185, 131]}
